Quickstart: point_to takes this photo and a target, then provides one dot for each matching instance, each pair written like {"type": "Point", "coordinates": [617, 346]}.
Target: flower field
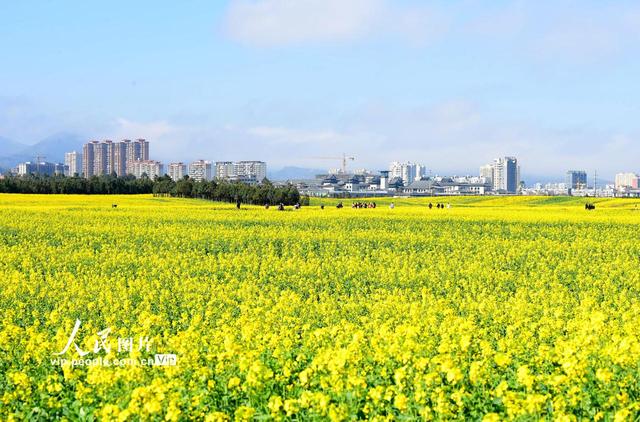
{"type": "Point", "coordinates": [494, 309]}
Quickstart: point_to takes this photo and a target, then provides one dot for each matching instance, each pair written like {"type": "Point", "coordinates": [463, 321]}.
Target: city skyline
{"type": "Point", "coordinates": [438, 82]}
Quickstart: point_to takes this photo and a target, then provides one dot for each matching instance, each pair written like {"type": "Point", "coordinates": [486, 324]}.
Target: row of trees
{"type": "Point", "coordinates": [216, 190]}
{"type": "Point", "coordinates": [109, 184]}
{"type": "Point", "coordinates": [220, 190]}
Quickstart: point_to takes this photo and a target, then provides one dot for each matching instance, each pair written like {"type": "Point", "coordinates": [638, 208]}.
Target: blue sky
{"type": "Point", "coordinates": [451, 84]}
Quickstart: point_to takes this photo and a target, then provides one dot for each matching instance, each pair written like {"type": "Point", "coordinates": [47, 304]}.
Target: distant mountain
{"type": "Point", "coordinates": [9, 147]}
{"type": "Point", "coordinates": [52, 147]}
{"type": "Point", "coordinates": [289, 173]}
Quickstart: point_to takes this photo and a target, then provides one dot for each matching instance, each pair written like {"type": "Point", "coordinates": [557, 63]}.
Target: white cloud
{"type": "Point", "coordinates": [127, 129]}
{"type": "Point", "coordinates": [292, 22]}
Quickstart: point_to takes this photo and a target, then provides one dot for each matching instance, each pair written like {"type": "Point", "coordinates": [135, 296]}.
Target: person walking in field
{"type": "Point", "coordinates": [392, 205]}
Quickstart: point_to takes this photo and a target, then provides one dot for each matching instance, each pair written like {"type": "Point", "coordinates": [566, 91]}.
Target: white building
{"type": "Point", "coordinates": [486, 173]}
{"type": "Point", "coordinates": [250, 169]}
{"type": "Point", "coordinates": [200, 170]}
{"type": "Point", "coordinates": [224, 170]}
{"type": "Point", "coordinates": [408, 172]}
{"type": "Point", "coordinates": [626, 181]}
{"type": "Point", "coordinates": [72, 163]}
{"type": "Point", "coordinates": [505, 174]}
{"type": "Point", "coordinates": [177, 171]}
{"type": "Point", "coordinates": [151, 168]}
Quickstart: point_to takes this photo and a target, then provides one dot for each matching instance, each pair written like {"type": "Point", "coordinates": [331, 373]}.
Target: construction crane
{"type": "Point", "coordinates": [344, 158]}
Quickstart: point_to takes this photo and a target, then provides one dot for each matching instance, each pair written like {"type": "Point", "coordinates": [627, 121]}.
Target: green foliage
{"type": "Point", "coordinates": [217, 190]}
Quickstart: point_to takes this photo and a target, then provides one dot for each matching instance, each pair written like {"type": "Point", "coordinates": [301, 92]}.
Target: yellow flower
{"type": "Point", "coordinates": [502, 359]}
{"type": "Point", "coordinates": [524, 376]}
{"type": "Point", "coordinates": [233, 383]}
{"type": "Point", "coordinates": [244, 413]}
{"type": "Point", "coordinates": [491, 417]}
{"type": "Point", "coordinates": [400, 402]}
{"type": "Point", "coordinates": [603, 375]}
{"type": "Point", "coordinates": [275, 404]}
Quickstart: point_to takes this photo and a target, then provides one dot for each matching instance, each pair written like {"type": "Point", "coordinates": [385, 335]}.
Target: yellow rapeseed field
{"type": "Point", "coordinates": [493, 309]}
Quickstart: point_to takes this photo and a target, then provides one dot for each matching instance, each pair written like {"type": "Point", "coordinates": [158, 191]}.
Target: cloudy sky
{"type": "Point", "coordinates": [451, 83]}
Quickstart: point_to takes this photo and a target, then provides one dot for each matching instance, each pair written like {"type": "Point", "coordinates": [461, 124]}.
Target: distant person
{"type": "Point", "coordinates": [339, 205]}
{"type": "Point", "coordinates": [322, 206]}
{"type": "Point", "coordinates": [281, 207]}
{"type": "Point", "coordinates": [448, 205]}
{"type": "Point", "coordinates": [266, 206]}
{"type": "Point", "coordinates": [237, 204]}
{"type": "Point", "coordinates": [392, 205]}
{"type": "Point", "coordinates": [430, 205]}
{"type": "Point", "coordinates": [296, 206]}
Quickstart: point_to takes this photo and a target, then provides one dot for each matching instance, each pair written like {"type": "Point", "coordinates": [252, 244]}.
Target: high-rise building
{"type": "Point", "coordinates": [421, 171]}
{"type": "Point", "coordinates": [224, 170]}
{"type": "Point", "coordinates": [119, 158]}
{"type": "Point", "coordinates": [73, 163]}
{"type": "Point", "coordinates": [506, 175]}
{"type": "Point", "coordinates": [177, 171]}
{"type": "Point", "coordinates": [107, 157]}
{"type": "Point", "coordinates": [137, 150]}
{"type": "Point", "coordinates": [150, 168]}
{"type": "Point", "coordinates": [627, 181]}
{"type": "Point", "coordinates": [256, 170]}
{"type": "Point", "coordinates": [100, 158]}
{"type": "Point", "coordinates": [200, 170]}
{"type": "Point", "coordinates": [88, 158]}
{"type": "Point", "coordinates": [486, 173]}
{"type": "Point", "coordinates": [408, 172]}
{"type": "Point", "coordinates": [576, 179]}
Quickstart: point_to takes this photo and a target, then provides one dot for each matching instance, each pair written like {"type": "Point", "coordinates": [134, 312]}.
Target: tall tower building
{"type": "Point", "coordinates": [88, 158]}
{"type": "Point", "coordinates": [72, 162]}
{"type": "Point", "coordinates": [108, 157]}
{"type": "Point", "coordinates": [120, 158]}
{"type": "Point", "coordinates": [144, 149]}
{"type": "Point", "coordinates": [100, 158]}
{"type": "Point", "coordinates": [506, 175]}
{"type": "Point", "coordinates": [486, 172]}
{"type": "Point", "coordinates": [136, 151]}
{"type": "Point", "coordinates": [576, 179]}
{"type": "Point", "coordinates": [408, 171]}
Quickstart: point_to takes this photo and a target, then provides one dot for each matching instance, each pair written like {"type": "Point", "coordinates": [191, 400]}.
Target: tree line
{"type": "Point", "coordinates": [215, 190]}
{"type": "Point", "coordinates": [224, 191]}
